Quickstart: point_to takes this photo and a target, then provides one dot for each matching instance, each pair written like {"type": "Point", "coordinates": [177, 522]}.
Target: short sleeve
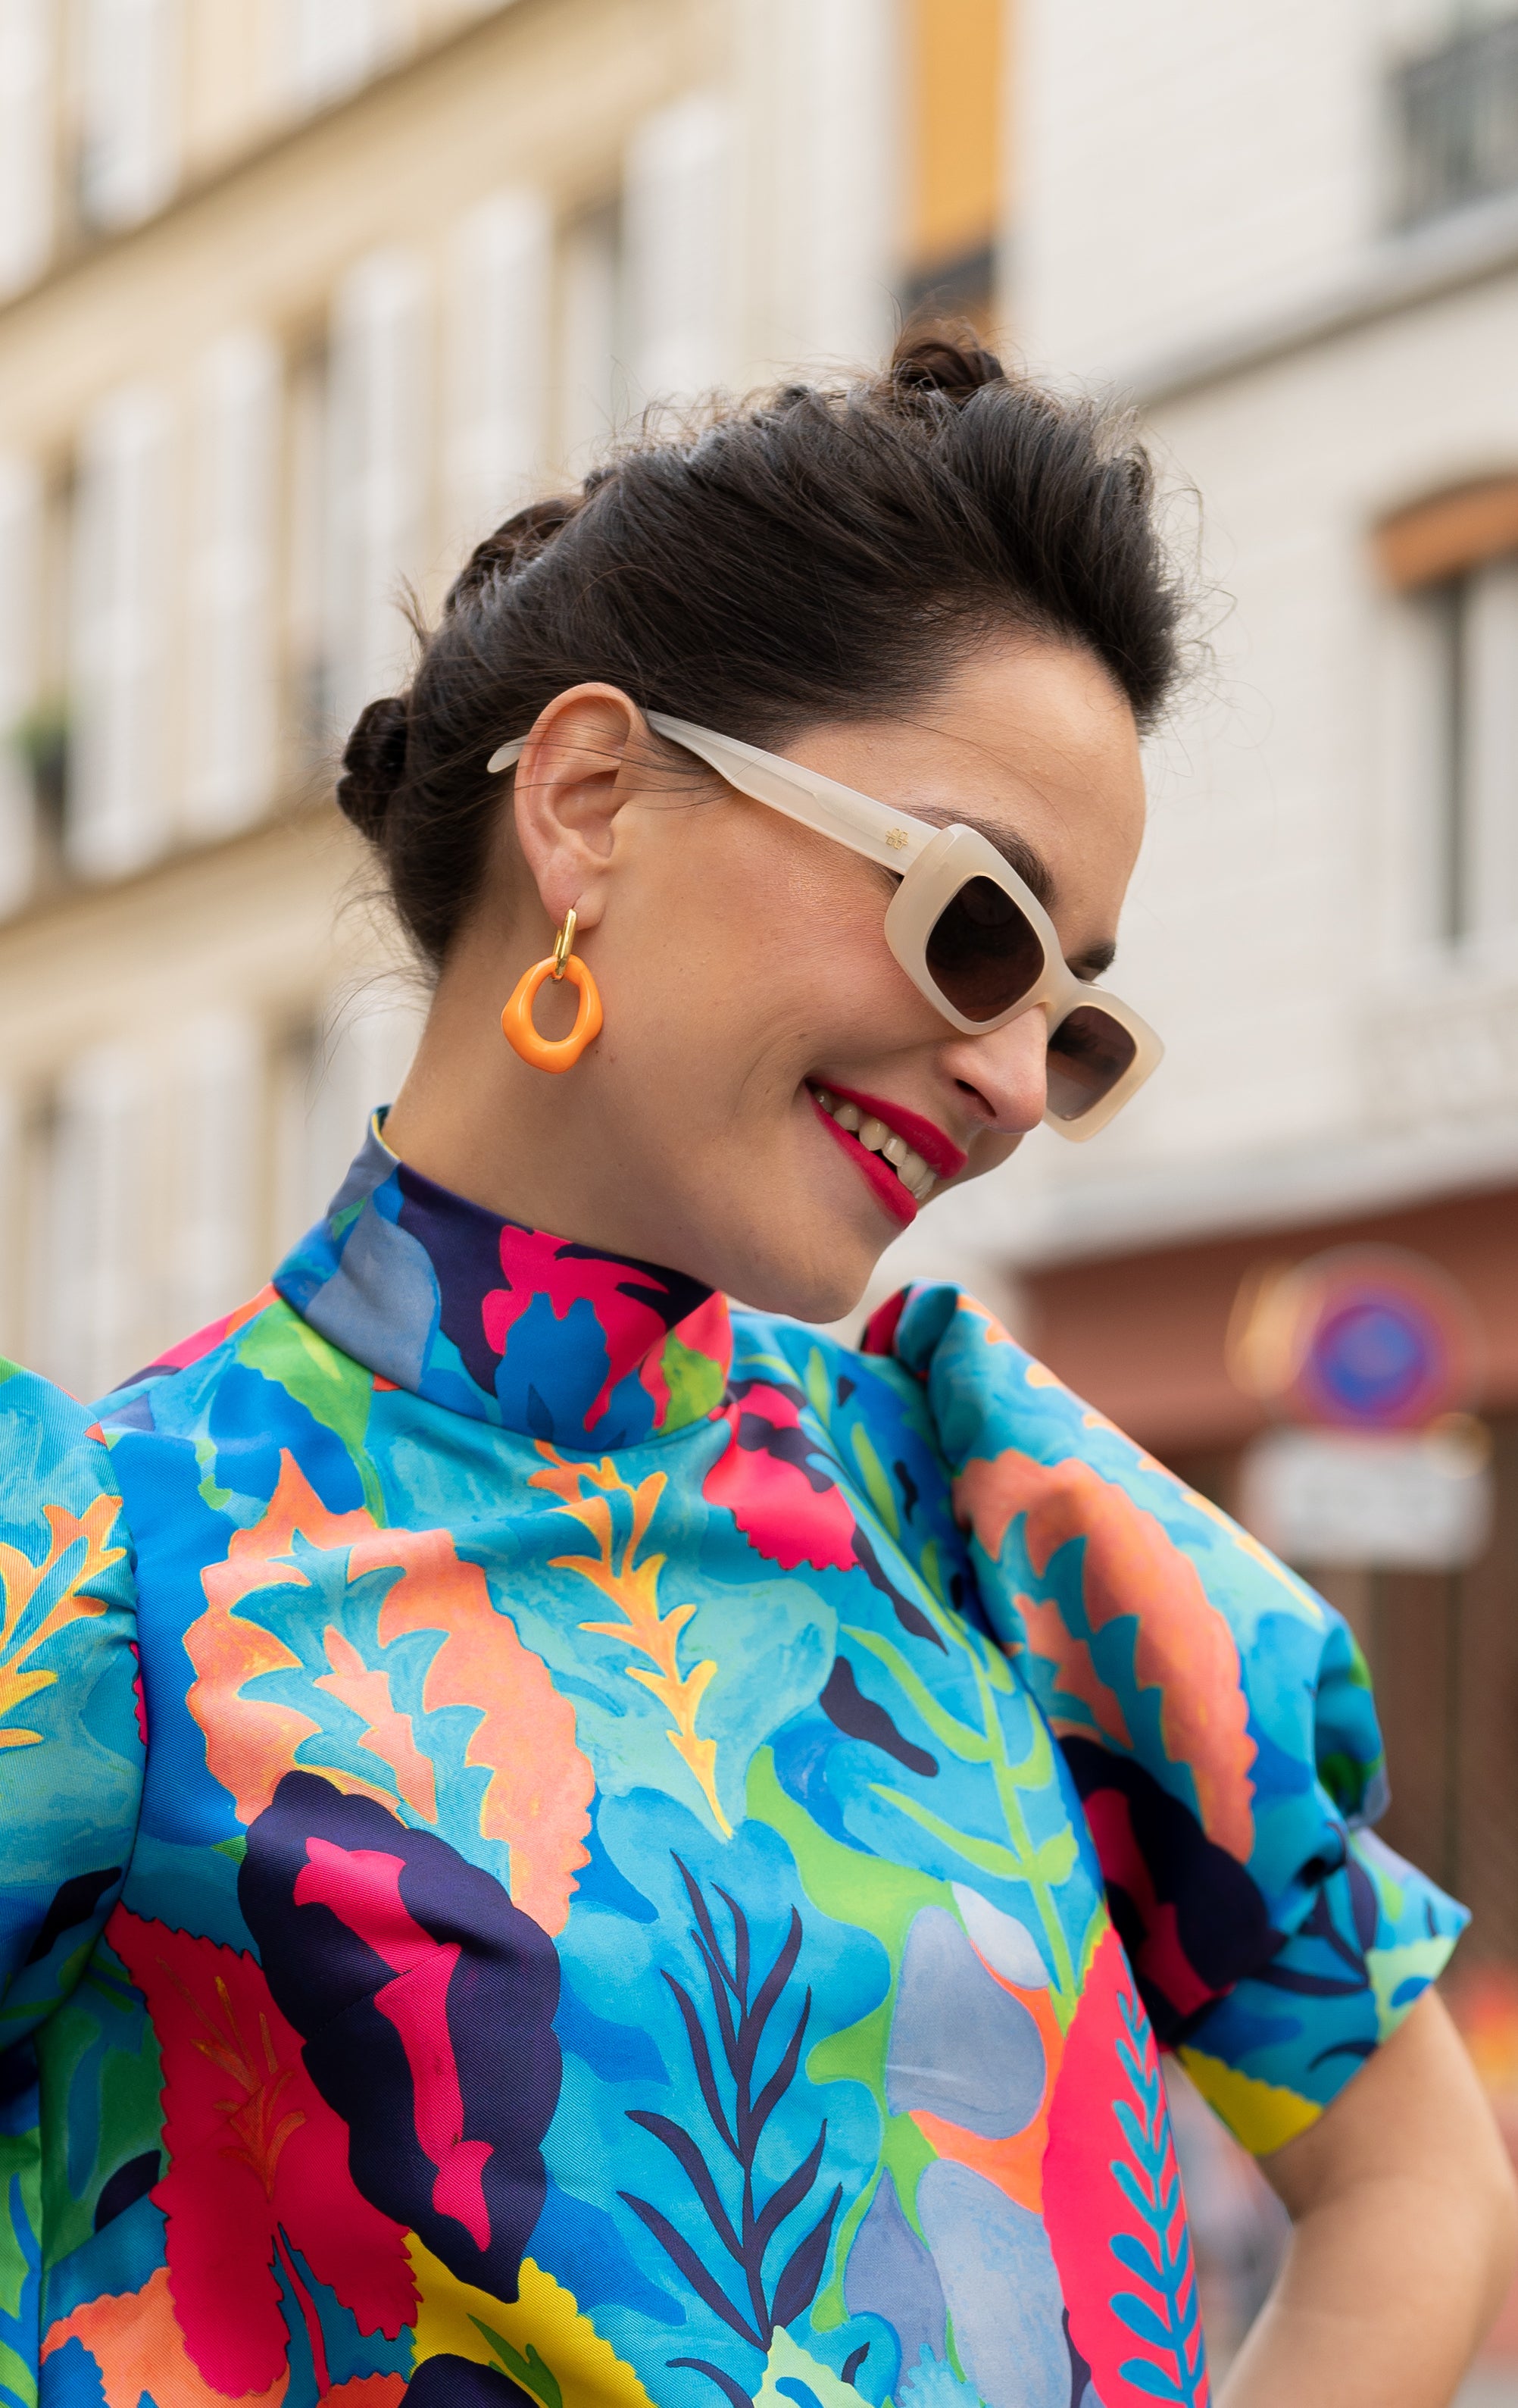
{"type": "Point", "coordinates": [1216, 1717]}
{"type": "Point", "coordinates": [71, 1737]}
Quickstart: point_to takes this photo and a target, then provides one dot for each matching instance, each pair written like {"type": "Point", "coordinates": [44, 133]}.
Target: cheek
{"type": "Point", "coordinates": [746, 957]}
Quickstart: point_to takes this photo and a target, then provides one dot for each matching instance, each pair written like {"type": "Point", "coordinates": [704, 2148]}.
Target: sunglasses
{"type": "Point", "coordinates": [970, 933]}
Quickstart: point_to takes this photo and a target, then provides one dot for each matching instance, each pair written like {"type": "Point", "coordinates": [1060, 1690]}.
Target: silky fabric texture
{"type": "Point", "coordinates": [560, 1847]}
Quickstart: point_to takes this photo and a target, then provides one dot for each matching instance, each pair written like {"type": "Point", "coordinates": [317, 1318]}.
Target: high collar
{"type": "Point", "coordinates": [558, 1340]}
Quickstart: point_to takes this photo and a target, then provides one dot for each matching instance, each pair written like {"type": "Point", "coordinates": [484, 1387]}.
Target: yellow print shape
{"type": "Point", "coordinates": [632, 1586]}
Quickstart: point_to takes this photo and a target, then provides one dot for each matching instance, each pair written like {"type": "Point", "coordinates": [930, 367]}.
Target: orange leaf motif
{"type": "Point", "coordinates": [136, 2341]}
{"type": "Point", "coordinates": [1132, 1566]}
{"type": "Point", "coordinates": [41, 1600]}
{"type": "Point", "coordinates": [538, 1799]}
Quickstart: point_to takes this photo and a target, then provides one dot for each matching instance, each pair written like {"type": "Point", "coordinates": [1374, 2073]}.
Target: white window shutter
{"type": "Point", "coordinates": [378, 471]}
{"type": "Point", "coordinates": [230, 693]}
{"type": "Point", "coordinates": [117, 814]}
{"type": "Point", "coordinates": [591, 378]}
{"type": "Point", "coordinates": [99, 1280]}
{"type": "Point", "coordinates": [821, 85]}
{"type": "Point", "coordinates": [20, 530]}
{"type": "Point", "coordinates": [216, 1120]}
{"type": "Point", "coordinates": [498, 342]}
{"type": "Point", "coordinates": [130, 100]}
{"type": "Point", "coordinates": [677, 233]}
{"type": "Point", "coordinates": [26, 140]}
{"type": "Point", "coordinates": [331, 47]}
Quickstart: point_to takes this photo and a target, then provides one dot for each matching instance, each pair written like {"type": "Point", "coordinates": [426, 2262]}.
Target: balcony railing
{"type": "Point", "coordinates": [1457, 112]}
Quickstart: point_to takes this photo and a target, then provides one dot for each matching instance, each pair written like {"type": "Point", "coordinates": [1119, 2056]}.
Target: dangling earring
{"type": "Point", "coordinates": [553, 1052]}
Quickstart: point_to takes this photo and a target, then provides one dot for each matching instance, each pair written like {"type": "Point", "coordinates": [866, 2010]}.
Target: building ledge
{"type": "Point", "coordinates": [1398, 272]}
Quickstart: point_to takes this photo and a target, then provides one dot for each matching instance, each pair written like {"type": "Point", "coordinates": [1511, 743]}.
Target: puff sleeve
{"type": "Point", "coordinates": [1216, 1718]}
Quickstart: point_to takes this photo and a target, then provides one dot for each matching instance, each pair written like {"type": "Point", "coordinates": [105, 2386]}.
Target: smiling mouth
{"type": "Point", "coordinates": [898, 1174]}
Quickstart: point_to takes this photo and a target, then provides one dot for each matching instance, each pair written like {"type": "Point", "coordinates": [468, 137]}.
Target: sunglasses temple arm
{"type": "Point", "coordinates": [856, 820]}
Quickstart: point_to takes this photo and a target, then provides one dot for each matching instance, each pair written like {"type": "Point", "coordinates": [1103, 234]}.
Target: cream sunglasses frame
{"type": "Point", "coordinates": [932, 864]}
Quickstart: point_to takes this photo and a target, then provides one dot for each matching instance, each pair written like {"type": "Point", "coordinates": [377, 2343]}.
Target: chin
{"type": "Point", "coordinates": [823, 1290]}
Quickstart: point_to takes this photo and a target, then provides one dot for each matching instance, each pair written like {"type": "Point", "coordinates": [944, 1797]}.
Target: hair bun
{"type": "Point", "coordinates": [943, 359]}
{"type": "Point", "coordinates": [374, 763]}
{"type": "Point", "coordinates": [516, 541]}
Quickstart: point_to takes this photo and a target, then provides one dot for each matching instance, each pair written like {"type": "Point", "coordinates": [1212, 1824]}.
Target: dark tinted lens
{"type": "Point", "coordinates": [984, 953]}
{"type": "Point", "coordinates": [1088, 1054]}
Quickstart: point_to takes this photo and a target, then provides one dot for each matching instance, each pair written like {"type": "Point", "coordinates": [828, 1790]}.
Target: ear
{"type": "Point", "coordinates": [585, 758]}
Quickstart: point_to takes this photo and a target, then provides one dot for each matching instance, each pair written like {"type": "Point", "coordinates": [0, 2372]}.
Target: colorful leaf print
{"type": "Point", "coordinates": [426, 2002]}
{"type": "Point", "coordinates": [257, 2167]}
{"type": "Point", "coordinates": [1131, 1570]}
{"type": "Point", "coordinates": [540, 1785]}
{"type": "Point", "coordinates": [633, 1587]}
{"type": "Point", "coordinates": [42, 1599]}
{"type": "Point", "coordinates": [139, 2352]}
{"type": "Point", "coordinates": [741, 2012]}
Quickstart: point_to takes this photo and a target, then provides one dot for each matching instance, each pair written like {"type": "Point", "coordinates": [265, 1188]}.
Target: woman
{"type": "Point", "coordinates": [567, 1845]}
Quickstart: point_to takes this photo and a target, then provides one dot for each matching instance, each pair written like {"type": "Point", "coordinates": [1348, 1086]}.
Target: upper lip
{"type": "Point", "coordinates": [940, 1154]}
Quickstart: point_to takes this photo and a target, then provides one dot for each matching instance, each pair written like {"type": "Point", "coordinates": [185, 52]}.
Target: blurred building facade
{"type": "Point", "coordinates": [297, 299]}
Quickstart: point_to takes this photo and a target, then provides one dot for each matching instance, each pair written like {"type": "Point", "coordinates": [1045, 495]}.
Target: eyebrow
{"type": "Point", "coordinates": [1034, 871]}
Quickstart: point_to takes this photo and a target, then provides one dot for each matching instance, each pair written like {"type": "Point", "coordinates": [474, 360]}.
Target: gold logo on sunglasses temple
{"type": "Point", "coordinates": [897, 838]}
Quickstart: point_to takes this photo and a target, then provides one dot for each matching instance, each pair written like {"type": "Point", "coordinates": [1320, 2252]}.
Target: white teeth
{"type": "Point", "coordinates": [909, 1167]}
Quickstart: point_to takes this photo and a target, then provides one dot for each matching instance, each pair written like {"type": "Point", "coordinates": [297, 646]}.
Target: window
{"type": "Point", "coordinates": [675, 222]}
{"type": "Point", "coordinates": [130, 65]}
{"type": "Point", "coordinates": [1454, 562]}
{"type": "Point", "coordinates": [377, 470]}
{"type": "Point", "coordinates": [230, 686]}
{"type": "Point", "coordinates": [593, 398]}
{"type": "Point", "coordinates": [117, 814]}
{"type": "Point", "coordinates": [26, 140]}
{"type": "Point", "coordinates": [20, 731]}
{"type": "Point", "coordinates": [499, 351]}
{"type": "Point", "coordinates": [1455, 110]}
{"type": "Point", "coordinates": [335, 46]}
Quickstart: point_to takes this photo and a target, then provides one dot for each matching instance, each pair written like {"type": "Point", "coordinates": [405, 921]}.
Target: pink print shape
{"type": "Point", "coordinates": [769, 1477]}
{"type": "Point", "coordinates": [533, 1263]}
{"type": "Point", "coordinates": [254, 2152]}
{"type": "Point", "coordinates": [1161, 1960]}
{"type": "Point", "coordinates": [362, 1886]}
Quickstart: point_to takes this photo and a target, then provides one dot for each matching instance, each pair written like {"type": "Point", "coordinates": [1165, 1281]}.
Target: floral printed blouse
{"type": "Point", "coordinates": [565, 1849]}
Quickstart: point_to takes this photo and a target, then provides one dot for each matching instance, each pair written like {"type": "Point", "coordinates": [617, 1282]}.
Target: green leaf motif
{"type": "Point", "coordinates": [530, 2371]}
{"type": "Point", "coordinates": [971, 1746]}
{"type": "Point", "coordinates": [878, 1487]}
{"type": "Point", "coordinates": [335, 1390]}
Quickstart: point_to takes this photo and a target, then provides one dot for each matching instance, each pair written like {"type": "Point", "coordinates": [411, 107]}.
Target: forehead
{"type": "Point", "coordinates": [1030, 740]}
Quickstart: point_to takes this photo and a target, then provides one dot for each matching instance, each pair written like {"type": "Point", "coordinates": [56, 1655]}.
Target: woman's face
{"type": "Point", "coordinates": [745, 974]}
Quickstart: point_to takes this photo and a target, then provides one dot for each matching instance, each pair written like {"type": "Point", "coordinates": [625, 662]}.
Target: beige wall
{"type": "Point", "coordinates": [351, 324]}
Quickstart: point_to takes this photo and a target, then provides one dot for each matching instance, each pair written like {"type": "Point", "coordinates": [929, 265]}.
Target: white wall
{"type": "Point", "coordinates": [1183, 166]}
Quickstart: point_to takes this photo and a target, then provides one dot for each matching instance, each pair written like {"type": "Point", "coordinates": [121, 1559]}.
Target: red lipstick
{"type": "Point", "coordinates": [940, 1154]}
{"type": "Point", "coordinates": [887, 1187]}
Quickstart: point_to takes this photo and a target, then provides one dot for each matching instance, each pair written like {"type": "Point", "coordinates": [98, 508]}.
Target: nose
{"type": "Point", "coordinates": [1007, 1073]}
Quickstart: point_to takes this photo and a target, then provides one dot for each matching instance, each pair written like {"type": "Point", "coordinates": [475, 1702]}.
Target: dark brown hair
{"type": "Point", "coordinates": [815, 554]}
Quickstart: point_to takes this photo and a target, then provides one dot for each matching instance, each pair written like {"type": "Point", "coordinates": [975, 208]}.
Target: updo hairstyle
{"type": "Point", "coordinates": [820, 552]}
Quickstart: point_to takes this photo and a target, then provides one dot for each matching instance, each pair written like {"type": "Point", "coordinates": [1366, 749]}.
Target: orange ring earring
{"type": "Point", "coordinates": [553, 1052]}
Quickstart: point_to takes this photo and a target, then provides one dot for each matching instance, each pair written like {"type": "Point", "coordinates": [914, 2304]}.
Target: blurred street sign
{"type": "Point", "coordinates": [1403, 1501]}
{"type": "Point", "coordinates": [1367, 1338]}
